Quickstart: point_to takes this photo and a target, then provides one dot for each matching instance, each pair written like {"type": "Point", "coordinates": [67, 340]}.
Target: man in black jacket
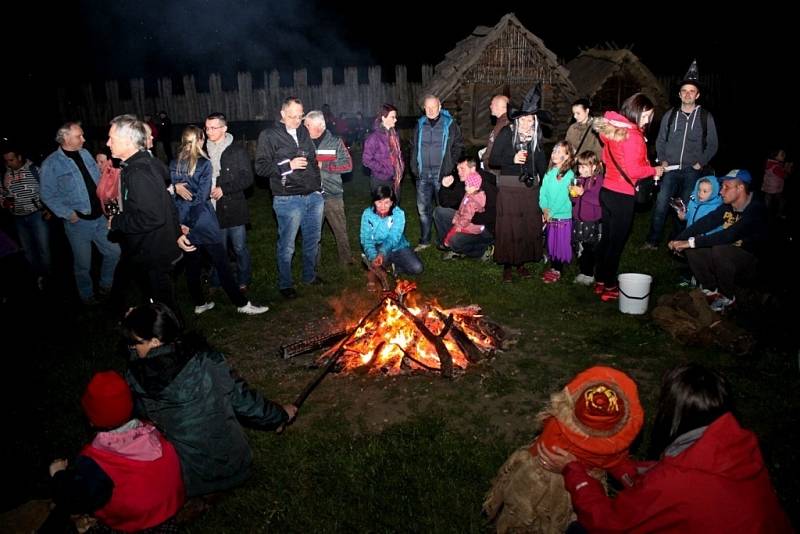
{"type": "Point", "coordinates": [232, 173]}
{"type": "Point", "coordinates": [287, 156]}
{"type": "Point", "coordinates": [147, 223]}
{"type": "Point", "coordinates": [450, 195]}
{"type": "Point", "coordinates": [721, 258]}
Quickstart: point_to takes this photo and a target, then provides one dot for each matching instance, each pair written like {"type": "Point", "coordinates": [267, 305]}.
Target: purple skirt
{"type": "Point", "coordinates": [559, 240]}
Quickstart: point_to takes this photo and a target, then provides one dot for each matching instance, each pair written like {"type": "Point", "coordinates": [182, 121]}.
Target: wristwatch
{"type": "Point", "coordinates": [691, 242]}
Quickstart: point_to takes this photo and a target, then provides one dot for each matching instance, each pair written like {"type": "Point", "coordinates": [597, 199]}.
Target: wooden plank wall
{"type": "Point", "coordinates": [245, 102]}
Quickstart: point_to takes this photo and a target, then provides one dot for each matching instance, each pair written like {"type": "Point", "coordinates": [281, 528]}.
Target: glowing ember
{"type": "Point", "coordinates": [393, 338]}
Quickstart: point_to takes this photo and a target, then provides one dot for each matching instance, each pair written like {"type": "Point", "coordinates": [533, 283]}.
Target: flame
{"type": "Point", "coordinates": [389, 341]}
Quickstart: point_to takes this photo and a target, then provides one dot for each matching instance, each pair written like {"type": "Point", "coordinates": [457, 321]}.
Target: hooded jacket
{"type": "Point", "coordinates": [684, 144]}
{"type": "Point", "coordinates": [697, 209]}
{"type": "Point", "coordinates": [718, 484]}
{"type": "Point", "coordinates": [746, 228]}
{"type": "Point", "coordinates": [626, 142]}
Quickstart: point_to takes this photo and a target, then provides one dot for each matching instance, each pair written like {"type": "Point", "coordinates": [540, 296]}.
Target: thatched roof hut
{"type": "Point", "coordinates": [608, 77]}
{"type": "Point", "coordinates": [506, 59]}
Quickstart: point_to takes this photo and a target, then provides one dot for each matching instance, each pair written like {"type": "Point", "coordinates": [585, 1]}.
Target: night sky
{"type": "Point", "coordinates": [95, 40]}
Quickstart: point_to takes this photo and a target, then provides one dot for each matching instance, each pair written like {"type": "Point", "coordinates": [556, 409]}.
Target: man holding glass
{"type": "Point", "coordinates": [287, 156]}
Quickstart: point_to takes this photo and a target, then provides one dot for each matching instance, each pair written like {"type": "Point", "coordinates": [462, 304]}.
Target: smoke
{"type": "Point", "coordinates": [171, 38]}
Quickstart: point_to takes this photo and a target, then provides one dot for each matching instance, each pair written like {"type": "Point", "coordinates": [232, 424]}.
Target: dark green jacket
{"type": "Point", "coordinates": [198, 403]}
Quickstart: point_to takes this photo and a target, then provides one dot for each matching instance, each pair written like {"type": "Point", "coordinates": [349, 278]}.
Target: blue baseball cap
{"type": "Point", "coordinates": [739, 174]}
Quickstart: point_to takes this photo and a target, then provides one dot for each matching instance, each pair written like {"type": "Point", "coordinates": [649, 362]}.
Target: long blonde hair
{"type": "Point", "coordinates": [191, 150]}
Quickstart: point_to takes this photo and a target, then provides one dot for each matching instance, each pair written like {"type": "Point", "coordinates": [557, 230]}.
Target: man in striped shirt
{"type": "Point", "coordinates": [20, 194]}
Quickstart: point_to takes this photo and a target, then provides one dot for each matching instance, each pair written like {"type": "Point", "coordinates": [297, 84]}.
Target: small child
{"type": "Point", "coordinates": [557, 210]}
{"type": "Point", "coordinates": [587, 215]}
{"type": "Point", "coordinates": [129, 476]}
{"type": "Point", "coordinates": [474, 201]}
{"type": "Point", "coordinates": [704, 199]}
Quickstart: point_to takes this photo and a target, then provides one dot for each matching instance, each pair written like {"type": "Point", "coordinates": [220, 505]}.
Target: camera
{"type": "Point", "coordinates": [528, 180]}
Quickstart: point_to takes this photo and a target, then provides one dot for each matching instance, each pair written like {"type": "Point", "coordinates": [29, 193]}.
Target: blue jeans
{"type": "Point", "coordinates": [81, 235]}
{"type": "Point", "coordinates": [471, 245]}
{"type": "Point", "coordinates": [304, 213]}
{"type": "Point", "coordinates": [673, 183]}
{"type": "Point", "coordinates": [34, 234]}
{"type": "Point", "coordinates": [405, 261]}
{"type": "Point", "coordinates": [235, 237]}
{"type": "Point", "coordinates": [427, 190]}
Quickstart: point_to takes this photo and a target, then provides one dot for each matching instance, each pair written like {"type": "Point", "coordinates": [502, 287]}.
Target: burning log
{"type": "Point", "coordinates": [445, 358]}
{"type": "Point", "coordinates": [463, 341]}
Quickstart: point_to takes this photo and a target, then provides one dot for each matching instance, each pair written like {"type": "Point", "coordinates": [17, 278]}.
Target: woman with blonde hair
{"type": "Point", "coordinates": [191, 177]}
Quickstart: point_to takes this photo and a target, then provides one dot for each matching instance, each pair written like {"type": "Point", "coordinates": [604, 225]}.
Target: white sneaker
{"type": "Point", "coordinates": [421, 247]}
{"type": "Point", "coordinates": [252, 309]}
{"type": "Point", "coordinates": [584, 280]}
{"type": "Point", "coordinates": [203, 308]}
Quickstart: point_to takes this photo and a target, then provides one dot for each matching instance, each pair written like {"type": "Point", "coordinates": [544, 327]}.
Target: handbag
{"type": "Point", "coordinates": [644, 190]}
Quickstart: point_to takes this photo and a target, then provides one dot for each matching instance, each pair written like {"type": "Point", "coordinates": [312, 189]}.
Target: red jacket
{"type": "Point", "coordinates": [718, 484]}
{"type": "Point", "coordinates": [148, 488]}
{"type": "Point", "coordinates": [630, 152]}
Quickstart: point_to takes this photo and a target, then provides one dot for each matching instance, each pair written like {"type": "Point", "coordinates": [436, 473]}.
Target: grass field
{"type": "Point", "coordinates": [411, 453]}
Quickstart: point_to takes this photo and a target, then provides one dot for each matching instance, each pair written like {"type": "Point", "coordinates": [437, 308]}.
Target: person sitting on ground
{"type": "Point", "coordinates": [596, 417]}
{"type": "Point", "coordinates": [474, 201]}
{"type": "Point", "coordinates": [710, 476]}
{"type": "Point", "coordinates": [720, 260]}
{"type": "Point", "coordinates": [128, 477]}
{"type": "Point", "coordinates": [382, 239]}
{"type": "Point", "coordinates": [703, 200]}
{"type": "Point", "coordinates": [193, 395]}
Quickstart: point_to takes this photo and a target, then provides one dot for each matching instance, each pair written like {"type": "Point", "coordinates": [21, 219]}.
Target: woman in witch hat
{"type": "Point", "coordinates": [518, 154]}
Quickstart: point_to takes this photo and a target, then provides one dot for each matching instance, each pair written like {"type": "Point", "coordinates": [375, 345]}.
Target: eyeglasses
{"type": "Point", "coordinates": [212, 128]}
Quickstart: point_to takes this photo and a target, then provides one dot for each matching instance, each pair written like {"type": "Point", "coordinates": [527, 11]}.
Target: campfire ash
{"type": "Point", "coordinates": [398, 336]}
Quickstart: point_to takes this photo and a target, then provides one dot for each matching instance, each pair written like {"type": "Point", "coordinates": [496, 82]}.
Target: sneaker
{"type": "Point", "coordinates": [584, 280]}
{"type": "Point", "coordinates": [550, 276]}
{"type": "Point", "coordinates": [523, 272]}
{"type": "Point", "coordinates": [252, 309]}
{"type": "Point", "coordinates": [599, 287]}
{"type": "Point", "coordinates": [242, 288]}
{"type": "Point", "coordinates": [609, 294]}
{"type": "Point", "coordinates": [722, 303]}
{"type": "Point", "coordinates": [443, 248]}
{"type": "Point", "coordinates": [488, 255]}
{"type": "Point", "coordinates": [711, 295]}
{"type": "Point", "coordinates": [507, 276]}
{"type": "Point", "coordinates": [421, 247]}
{"type": "Point", "coordinates": [317, 281]}
{"type": "Point", "coordinates": [103, 292]}
{"type": "Point", "coordinates": [203, 308]}
{"type": "Point", "coordinates": [649, 246]}
{"type": "Point", "coordinates": [289, 293]}
{"type": "Point", "coordinates": [451, 255]}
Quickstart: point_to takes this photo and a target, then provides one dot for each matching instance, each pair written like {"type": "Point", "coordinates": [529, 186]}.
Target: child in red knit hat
{"type": "Point", "coordinates": [129, 476]}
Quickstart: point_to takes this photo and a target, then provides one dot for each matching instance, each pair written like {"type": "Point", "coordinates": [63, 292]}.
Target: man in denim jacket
{"type": "Point", "coordinates": [69, 179]}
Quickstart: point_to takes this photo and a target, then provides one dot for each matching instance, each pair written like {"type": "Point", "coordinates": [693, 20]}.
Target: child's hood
{"type": "Point", "coordinates": [714, 190]}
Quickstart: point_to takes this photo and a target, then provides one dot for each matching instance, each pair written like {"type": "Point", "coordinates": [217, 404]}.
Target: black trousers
{"type": "Point", "coordinates": [618, 210]}
{"type": "Point", "coordinates": [219, 259]}
{"type": "Point", "coordinates": [588, 259]}
{"type": "Point", "coordinates": [155, 281]}
{"type": "Point", "coordinates": [723, 267]}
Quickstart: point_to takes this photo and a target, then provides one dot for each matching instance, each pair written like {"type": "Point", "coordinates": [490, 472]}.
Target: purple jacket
{"type": "Point", "coordinates": [376, 156]}
{"type": "Point", "coordinates": [586, 207]}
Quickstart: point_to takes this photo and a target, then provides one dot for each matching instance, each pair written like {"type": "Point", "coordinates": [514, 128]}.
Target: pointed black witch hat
{"type": "Point", "coordinates": [530, 104]}
{"type": "Point", "coordinates": [692, 76]}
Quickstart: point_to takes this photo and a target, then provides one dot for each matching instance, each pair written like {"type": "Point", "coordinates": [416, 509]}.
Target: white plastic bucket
{"type": "Point", "coordinates": [634, 292]}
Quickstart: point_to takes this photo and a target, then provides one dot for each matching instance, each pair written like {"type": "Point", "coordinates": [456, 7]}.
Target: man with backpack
{"type": "Point", "coordinates": [687, 140]}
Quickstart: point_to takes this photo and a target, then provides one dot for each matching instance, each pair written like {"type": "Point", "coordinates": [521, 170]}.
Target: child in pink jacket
{"type": "Point", "coordinates": [474, 201]}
